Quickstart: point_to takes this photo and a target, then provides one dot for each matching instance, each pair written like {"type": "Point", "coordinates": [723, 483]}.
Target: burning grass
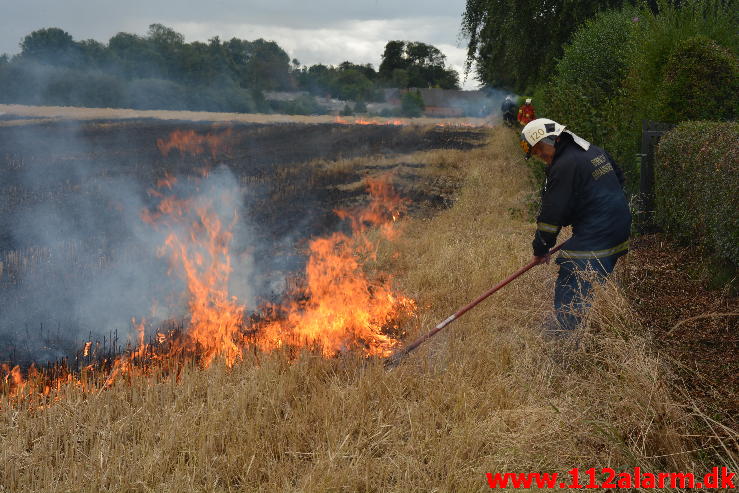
{"type": "Point", "coordinates": [289, 197]}
{"type": "Point", "coordinates": [486, 395]}
{"type": "Point", "coordinates": [338, 308]}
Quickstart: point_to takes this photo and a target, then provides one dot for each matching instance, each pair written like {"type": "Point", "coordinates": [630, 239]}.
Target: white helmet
{"type": "Point", "coordinates": [537, 130]}
{"type": "Point", "coordinates": [528, 100]}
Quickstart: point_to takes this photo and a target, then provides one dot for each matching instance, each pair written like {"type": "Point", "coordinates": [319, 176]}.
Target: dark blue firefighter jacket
{"type": "Point", "coordinates": [584, 188]}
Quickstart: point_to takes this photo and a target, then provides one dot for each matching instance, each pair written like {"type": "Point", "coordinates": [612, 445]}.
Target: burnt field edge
{"type": "Point", "coordinates": [327, 176]}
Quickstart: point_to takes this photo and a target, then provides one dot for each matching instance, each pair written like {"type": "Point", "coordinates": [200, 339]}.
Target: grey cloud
{"type": "Point", "coordinates": [319, 31]}
{"type": "Point", "coordinates": [437, 20]}
{"type": "Point", "coordinates": [294, 13]}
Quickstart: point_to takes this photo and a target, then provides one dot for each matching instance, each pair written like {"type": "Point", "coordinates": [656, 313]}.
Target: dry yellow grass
{"type": "Point", "coordinates": [483, 396]}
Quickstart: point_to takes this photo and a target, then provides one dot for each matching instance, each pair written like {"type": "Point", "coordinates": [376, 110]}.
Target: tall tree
{"type": "Point", "coordinates": [205, 63]}
{"type": "Point", "coordinates": [393, 58]}
{"type": "Point", "coordinates": [424, 55]}
{"type": "Point", "coordinates": [416, 64]}
{"type": "Point", "coordinates": [368, 70]}
{"type": "Point", "coordinates": [168, 44]}
{"type": "Point", "coordinates": [164, 36]}
{"type": "Point", "coordinates": [514, 43]}
{"type": "Point", "coordinates": [135, 57]}
{"type": "Point", "coordinates": [50, 45]}
{"type": "Point", "coordinates": [93, 53]}
{"type": "Point", "coordinates": [268, 67]}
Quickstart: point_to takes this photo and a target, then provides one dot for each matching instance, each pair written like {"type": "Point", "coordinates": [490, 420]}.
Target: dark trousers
{"type": "Point", "coordinates": [574, 284]}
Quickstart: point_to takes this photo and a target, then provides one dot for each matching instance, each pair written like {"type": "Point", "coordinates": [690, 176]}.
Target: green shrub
{"type": "Point", "coordinates": [697, 178]}
{"type": "Point", "coordinates": [347, 111]}
{"type": "Point", "coordinates": [700, 82]}
{"type": "Point", "coordinates": [68, 87]}
{"type": "Point", "coordinates": [596, 58]}
{"type": "Point", "coordinates": [360, 107]}
{"type": "Point", "coordinates": [623, 67]}
{"type": "Point", "coordinates": [659, 38]}
{"type": "Point", "coordinates": [411, 104]}
{"type": "Point", "coordinates": [20, 84]}
{"type": "Point", "coordinates": [33, 83]}
{"type": "Point", "coordinates": [587, 80]}
{"type": "Point", "coordinates": [654, 41]}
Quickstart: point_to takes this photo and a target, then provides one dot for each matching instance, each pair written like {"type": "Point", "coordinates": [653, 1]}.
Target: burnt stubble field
{"type": "Point", "coordinates": [76, 261]}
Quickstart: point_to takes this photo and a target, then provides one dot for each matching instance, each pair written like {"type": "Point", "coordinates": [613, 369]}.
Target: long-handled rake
{"type": "Point", "coordinates": [398, 356]}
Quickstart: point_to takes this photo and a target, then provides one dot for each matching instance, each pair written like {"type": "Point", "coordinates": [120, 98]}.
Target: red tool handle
{"type": "Point", "coordinates": [396, 357]}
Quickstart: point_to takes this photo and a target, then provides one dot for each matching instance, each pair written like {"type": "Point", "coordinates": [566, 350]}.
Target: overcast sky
{"type": "Point", "coordinates": [313, 31]}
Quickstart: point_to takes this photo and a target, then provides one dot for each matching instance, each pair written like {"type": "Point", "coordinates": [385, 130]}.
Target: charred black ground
{"type": "Point", "coordinates": [66, 166]}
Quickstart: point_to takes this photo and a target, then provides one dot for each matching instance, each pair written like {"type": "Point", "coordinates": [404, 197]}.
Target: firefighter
{"type": "Point", "coordinates": [526, 113]}
{"type": "Point", "coordinates": [584, 189]}
{"type": "Point", "coordinates": [508, 109]}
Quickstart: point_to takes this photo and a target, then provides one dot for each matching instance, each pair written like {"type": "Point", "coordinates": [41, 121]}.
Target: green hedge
{"type": "Point", "coordinates": [585, 87]}
{"type": "Point", "coordinates": [700, 82]}
{"type": "Point", "coordinates": [697, 184]}
{"type": "Point", "coordinates": [625, 66]}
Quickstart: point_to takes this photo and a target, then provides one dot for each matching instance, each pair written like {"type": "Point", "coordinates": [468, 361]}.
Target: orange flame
{"type": "Point", "coordinates": [362, 121]}
{"type": "Point", "coordinates": [201, 255]}
{"type": "Point", "coordinates": [190, 142]}
{"type": "Point", "coordinates": [342, 308]}
{"type": "Point", "coordinates": [339, 307]}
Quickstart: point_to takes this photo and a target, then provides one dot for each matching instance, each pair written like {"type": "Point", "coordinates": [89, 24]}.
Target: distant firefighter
{"type": "Point", "coordinates": [508, 109]}
{"type": "Point", "coordinates": [526, 113]}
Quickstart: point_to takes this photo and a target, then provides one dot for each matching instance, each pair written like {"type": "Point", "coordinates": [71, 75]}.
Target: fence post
{"type": "Point", "coordinates": [652, 132]}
